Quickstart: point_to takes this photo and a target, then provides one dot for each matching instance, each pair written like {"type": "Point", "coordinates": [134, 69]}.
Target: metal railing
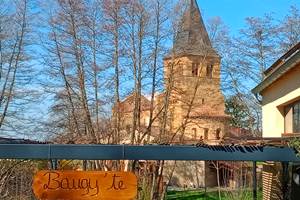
{"type": "Point", "coordinates": [201, 152]}
{"type": "Point", "coordinates": [148, 152]}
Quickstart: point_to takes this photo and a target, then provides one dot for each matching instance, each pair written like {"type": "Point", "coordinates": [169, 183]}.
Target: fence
{"type": "Point", "coordinates": [25, 152]}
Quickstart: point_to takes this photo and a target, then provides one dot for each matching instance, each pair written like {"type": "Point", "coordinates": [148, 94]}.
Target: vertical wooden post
{"type": "Point", "coordinates": [205, 170]}
{"type": "Point", "coordinates": [84, 165]}
{"type": "Point", "coordinates": [285, 180]}
{"type": "Point", "coordinates": [53, 164]}
{"type": "Point", "coordinates": [254, 180]}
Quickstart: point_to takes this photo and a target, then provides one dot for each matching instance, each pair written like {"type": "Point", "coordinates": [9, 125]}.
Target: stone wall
{"type": "Point", "coordinates": [190, 174]}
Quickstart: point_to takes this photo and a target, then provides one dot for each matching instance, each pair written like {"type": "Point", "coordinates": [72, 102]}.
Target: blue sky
{"type": "Point", "coordinates": [233, 12]}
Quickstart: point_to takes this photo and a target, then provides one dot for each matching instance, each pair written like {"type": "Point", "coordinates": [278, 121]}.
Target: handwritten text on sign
{"type": "Point", "coordinates": [74, 185]}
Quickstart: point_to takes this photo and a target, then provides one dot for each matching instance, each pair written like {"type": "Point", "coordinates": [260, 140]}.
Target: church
{"type": "Point", "coordinates": [192, 108]}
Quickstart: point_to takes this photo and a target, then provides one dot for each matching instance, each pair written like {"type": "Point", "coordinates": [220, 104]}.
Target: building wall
{"type": "Point", "coordinates": [282, 92]}
{"type": "Point", "coordinates": [126, 119]}
{"type": "Point", "coordinates": [211, 125]}
{"type": "Point", "coordinates": [195, 96]}
{"type": "Point", "coordinates": [190, 174]}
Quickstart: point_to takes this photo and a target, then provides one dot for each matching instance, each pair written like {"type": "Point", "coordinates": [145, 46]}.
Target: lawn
{"type": "Point", "coordinates": [211, 195]}
{"type": "Point", "coordinates": [197, 195]}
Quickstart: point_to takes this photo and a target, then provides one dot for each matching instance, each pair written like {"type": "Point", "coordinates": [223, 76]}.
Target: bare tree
{"type": "Point", "coordinates": [159, 19]}
{"type": "Point", "coordinates": [245, 57]}
{"type": "Point", "coordinates": [290, 29]}
{"type": "Point", "coordinates": [94, 44]}
{"type": "Point", "coordinates": [136, 18]}
{"type": "Point", "coordinates": [71, 53]}
{"type": "Point", "coordinates": [12, 55]}
{"type": "Point", "coordinates": [113, 14]}
{"type": "Point", "coordinates": [257, 46]}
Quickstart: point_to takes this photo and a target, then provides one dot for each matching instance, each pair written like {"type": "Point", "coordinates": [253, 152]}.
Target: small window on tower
{"type": "Point", "coordinates": [218, 131]}
{"type": "Point", "coordinates": [180, 70]}
{"type": "Point", "coordinates": [195, 69]}
{"type": "Point", "coordinates": [128, 128]}
{"type": "Point", "coordinates": [209, 71]}
{"type": "Point", "coordinates": [194, 132]}
{"type": "Point", "coordinates": [206, 133]}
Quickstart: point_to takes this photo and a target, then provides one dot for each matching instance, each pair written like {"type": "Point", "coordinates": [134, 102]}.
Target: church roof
{"type": "Point", "coordinates": [127, 105]}
{"type": "Point", "coordinates": [192, 37]}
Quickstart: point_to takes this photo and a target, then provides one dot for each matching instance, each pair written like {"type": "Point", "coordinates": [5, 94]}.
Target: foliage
{"type": "Point", "coordinates": [295, 143]}
{"type": "Point", "coordinates": [239, 112]}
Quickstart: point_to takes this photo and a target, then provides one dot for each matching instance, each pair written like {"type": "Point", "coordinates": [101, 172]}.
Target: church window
{"type": "Point", "coordinates": [194, 132]}
{"type": "Point", "coordinates": [209, 71]}
{"type": "Point", "coordinates": [218, 131]}
{"type": "Point", "coordinates": [205, 133]}
{"type": "Point", "coordinates": [128, 128]}
{"type": "Point", "coordinates": [195, 69]}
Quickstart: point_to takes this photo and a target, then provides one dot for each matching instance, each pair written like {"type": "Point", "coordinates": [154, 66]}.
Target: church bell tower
{"type": "Point", "coordinates": [192, 74]}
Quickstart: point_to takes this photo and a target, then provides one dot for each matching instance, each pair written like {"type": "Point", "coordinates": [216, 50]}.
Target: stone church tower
{"type": "Point", "coordinates": [192, 75]}
{"type": "Point", "coordinates": [191, 109]}
{"type": "Point", "coordinates": [197, 107]}
{"type": "Point", "coordinates": [193, 98]}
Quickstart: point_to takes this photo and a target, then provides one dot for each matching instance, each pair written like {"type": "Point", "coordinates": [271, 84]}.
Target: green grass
{"type": "Point", "coordinates": [211, 195]}
{"type": "Point", "coordinates": [185, 195]}
{"type": "Point", "coordinates": [195, 195]}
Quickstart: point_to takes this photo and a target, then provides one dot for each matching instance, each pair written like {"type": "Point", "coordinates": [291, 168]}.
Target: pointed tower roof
{"type": "Point", "coordinates": [192, 37]}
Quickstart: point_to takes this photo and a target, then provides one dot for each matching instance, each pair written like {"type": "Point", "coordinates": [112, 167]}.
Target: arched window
{"type": "Point", "coordinates": [128, 128]}
{"type": "Point", "coordinates": [209, 71]}
{"type": "Point", "coordinates": [195, 69]}
{"type": "Point", "coordinates": [194, 130]}
{"type": "Point", "coordinates": [218, 132]}
{"type": "Point", "coordinates": [205, 133]}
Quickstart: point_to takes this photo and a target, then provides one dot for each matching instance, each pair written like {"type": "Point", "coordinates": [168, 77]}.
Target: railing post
{"type": "Point", "coordinates": [254, 180]}
{"type": "Point", "coordinates": [285, 180]}
{"type": "Point", "coordinates": [84, 165]}
{"type": "Point", "coordinates": [54, 164]}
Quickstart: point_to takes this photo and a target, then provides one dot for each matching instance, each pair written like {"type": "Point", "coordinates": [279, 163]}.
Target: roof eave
{"type": "Point", "coordinates": [282, 58]}
{"type": "Point", "coordinates": [285, 67]}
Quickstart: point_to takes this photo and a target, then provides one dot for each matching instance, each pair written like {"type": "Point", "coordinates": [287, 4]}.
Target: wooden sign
{"type": "Point", "coordinates": [84, 185]}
